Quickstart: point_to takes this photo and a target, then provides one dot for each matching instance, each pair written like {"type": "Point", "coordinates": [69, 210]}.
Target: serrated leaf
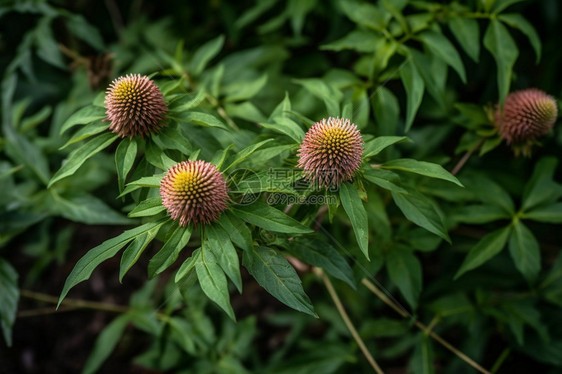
{"type": "Point", "coordinates": [83, 116]}
{"type": "Point", "coordinates": [148, 207]}
{"type": "Point", "coordinates": [278, 277]}
{"type": "Point", "coordinates": [467, 33]}
{"type": "Point", "coordinates": [269, 218]}
{"type": "Point", "coordinates": [501, 45]}
{"type": "Point", "coordinates": [204, 54]}
{"type": "Point", "coordinates": [421, 211]}
{"type": "Point", "coordinates": [404, 270]}
{"type": "Point", "coordinates": [525, 251]}
{"type": "Point", "coordinates": [9, 297]}
{"type": "Point", "coordinates": [213, 281]}
{"type": "Point", "coordinates": [413, 83]}
{"type": "Point", "coordinates": [219, 243]}
{"type": "Point", "coordinates": [489, 246]}
{"type": "Point", "coordinates": [169, 252]}
{"type": "Point", "coordinates": [77, 157]}
{"type": "Point", "coordinates": [95, 256]}
{"type": "Point", "coordinates": [135, 249]}
{"type": "Point", "coordinates": [444, 49]}
{"type": "Point", "coordinates": [353, 206]}
{"type": "Point", "coordinates": [125, 155]}
{"type": "Point", "coordinates": [427, 169]}
{"type": "Point", "coordinates": [324, 256]}
{"type": "Point", "coordinates": [105, 343]}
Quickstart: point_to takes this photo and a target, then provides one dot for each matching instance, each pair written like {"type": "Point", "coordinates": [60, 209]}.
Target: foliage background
{"type": "Point", "coordinates": [492, 314]}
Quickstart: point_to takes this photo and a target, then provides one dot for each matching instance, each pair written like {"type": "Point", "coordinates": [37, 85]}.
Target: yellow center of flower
{"type": "Point", "coordinates": [126, 90]}
{"type": "Point", "coordinates": [187, 184]}
{"type": "Point", "coordinates": [335, 140]}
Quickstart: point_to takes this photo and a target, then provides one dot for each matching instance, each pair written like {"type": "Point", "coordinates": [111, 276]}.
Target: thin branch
{"type": "Point", "coordinates": [74, 303]}
{"type": "Point", "coordinates": [466, 156]}
{"type": "Point", "coordinates": [371, 286]}
{"type": "Point", "coordinates": [320, 273]}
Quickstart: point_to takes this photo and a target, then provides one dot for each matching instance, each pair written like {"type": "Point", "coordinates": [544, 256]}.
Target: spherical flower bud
{"type": "Point", "coordinates": [194, 191]}
{"type": "Point", "coordinates": [134, 106]}
{"type": "Point", "coordinates": [526, 115]}
{"type": "Point", "coordinates": [331, 152]}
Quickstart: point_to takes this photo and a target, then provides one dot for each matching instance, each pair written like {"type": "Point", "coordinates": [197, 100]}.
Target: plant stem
{"type": "Point", "coordinates": [220, 110]}
{"type": "Point", "coordinates": [74, 303]}
{"type": "Point", "coordinates": [333, 294]}
{"type": "Point", "coordinates": [374, 289]}
{"type": "Point", "coordinates": [465, 157]}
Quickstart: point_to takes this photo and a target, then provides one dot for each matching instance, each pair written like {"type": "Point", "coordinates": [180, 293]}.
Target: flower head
{"type": "Point", "coordinates": [331, 152]}
{"type": "Point", "coordinates": [526, 115]}
{"type": "Point", "coordinates": [134, 106]}
{"type": "Point", "coordinates": [194, 191]}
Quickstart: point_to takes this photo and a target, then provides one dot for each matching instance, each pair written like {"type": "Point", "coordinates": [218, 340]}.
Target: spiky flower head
{"type": "Point", "coordinates": [134, 106]}
{"type": "Point", "coordinates": [331, 152]}
{"type": "Point", "coordinates": [194, 191]}
{"type": "Point", "coordinates": [526, 115]}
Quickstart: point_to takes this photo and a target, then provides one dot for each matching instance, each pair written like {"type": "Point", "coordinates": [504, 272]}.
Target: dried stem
{"type": "Point", "coordinates": [72, 303]}
{"type": "Point", "coordinates": [320, 273]}
{"type": "Point", "coordinates": [465, 157]}
{"type": "Point", "coordinates": [374, 289]}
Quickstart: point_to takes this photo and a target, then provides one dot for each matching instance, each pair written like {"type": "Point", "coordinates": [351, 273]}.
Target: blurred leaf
{"type": "Point", "coordinates": [488, 191]}
{"type": "Point", "coordinates": [421, 211]}
{"type": "Point", "coordinates": [541, 188]}
{"type": "Point", "coordinates": [83, 116]}
{"type": "Point", "coordinates": [85, 208]}
{"type": "Point", "coordinates": [444, 49]}
{"type": "Point", "coordinates": [47, 48]}
{"type": "Point", "coordinates": [218, 242]}
{"type": "Point", "coordinates": [204, 54]}
{"type": "Point", "coordinates": [269, 218]}
{"type": "Point", "coordinates": [386, 110]}
{"type": "Point", "coordinates": [353, 206]}
{"type": "Point", "coordinates": [519, 22]}
{"type": "Point", "coordinates": [244, 90]}
{"type": "Point", "coordinates": [365, 14]}
{"type": "Point", "coordinates": [95, 256]}
{"type": "Point", "coordinates": [324, 256]}
{"type": "Point", "coordinates": [427, 169]}
{"type": "Point", "coordinates": [525, 251]}
{"type": "Point", "coordinates": [423, 357]}
{"type": "Point", "coordinates": [77, 157]}
{"type": "Point", "coordinates": [364, 41]}
{"type": "Point", "coordinates": [298, 9]}
{"type": "Point", "coordinates": [500, 44]}
{"type": "Point", "coordinates": [404, 270]}
{"type": "Point", "coordinates": [499, 5]}
{"type": "Point", "coordinates": [434, 72]}
{"type": "Point", "coordinates": [489, 246]}
{"type": "Point", "coordinates": [286, 126]}
{"type": "Point", "coordinates": [105, 343]}
{"type": "Point", "coordinates": [78, 26]}
{"type": "Point", "coordinates": [467, 33]}
{"type": "Point", "coordinates": [169, 252]}
{"type": "Point", "coordinates": [213, 281]}
{"type": "Point", "coordinates": [9, 296]}
{"type": "Point", "coordinates": [324, 91]}
{"type": "Point", "coordinates": [478, 214]}
{"type": "Point", "coordinates": [548, 213]}
{"type": "Point", "coordinates": [413, 83]}
{"type": "Point", "coordinates": [278, 277]}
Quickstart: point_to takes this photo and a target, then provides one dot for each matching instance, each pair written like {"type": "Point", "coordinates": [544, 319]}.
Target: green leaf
{"type": "Point", "coordinates": [353, 206]}
{"type": "Point", "coordinates": [187, 101]}
{"type": "Point", "coordinates": [153, 182]}
{"type": "Point", "coordinates": [213, 281]}
{"type": "Point", "coordinates": [105, 343]}
{"type": "Point", "coordinates": [79, 27]}
{"type": "Point", "coordinates": [434, 72]}
{"type": "Point", "coordinates": [85, 208]}
{"type": "Point", "coordinates": [525, 251]}
{"type": "Point", "coordinates": [246, 152]}
{"type": "Point", "coordinates": [500, 44]}
{"type": "Point", "coordinates": [286, 126]}
{"type": "Point", "coordinates": [172, 138]}
{"type": "Point", "coordinates": [423, 357]}
{"type": "Point", "coordinates": [385, 179]}
{"type": "Point", "coordinates": [421, 211]}
{"type": "Point", "coordinates": [386, 111]}
{"type": "Point", "coordinates": [148, 207]}
{"type": "Point", "coordinates": [378, 144]}
{"type": "Point", "coordinates": [546, 213]}
{"type": "Point", "coordinates": [324, 91]}
{"type": "Point", "coordinates": [427, 169]}
{"type": "Point", "coordinates": [77, 157]}
{"type": "Point", "coordinates": [204, 54]}
{"type": "Point", "coordinates": [404, 270]}
{"type": "Point", "coordinates": [83, 116]}
{"type": "Point", "coordinates": [188, 265]}
{"type": "Point", "coordinates": [478, 214]}
{"type": "Point", "coordinates": [269, 218]}
{"type": "Point", "coordinates": [9, 296]}
{"type": "Point", "coordinates": [365, 14]}
{"type": "Point", "coordinates": [199, 118]}
{"type": "Point", "coordinates": [219, 243]}
{"type": "Point", "coordinates": [157, 157]}
{"type": "Point", "coordinates": [244, 90]}
{"type": "Point", "coordinates": [95, 256]}
{"type": "Point", "coordinates": [323, 255]}
{"type": "Point", "coordinates": [541, 188]}
{"type": "Point", "coordinates": [485, 249]}
{"type": "Point", "coordinates": [125, 155]}
{"type": "Point", "coordinates": [169, 252]}
{"type": "Point", "coordinates": [499, 5]}
{"type": "Point", "coordinates": [413, 83]}
{"type": "Point", "coordinates": [135, 249]}
{"type": "Point", "coordinates": [86, 131]}
{"type": "Point", "coordinates": [237, 230]}
{"type": "Point", "coordinates": [278, 277]}
{"type": "Point", "coordinates": [444, 49]}
{"type": "Point", "coordinates": [517, 21]}
{"type": "Point", "coordinates": [488, 192]}
{"type": "Point", "coordinates": [364, 41]}
{"type": "Point", "coordinates": [467, 33]}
